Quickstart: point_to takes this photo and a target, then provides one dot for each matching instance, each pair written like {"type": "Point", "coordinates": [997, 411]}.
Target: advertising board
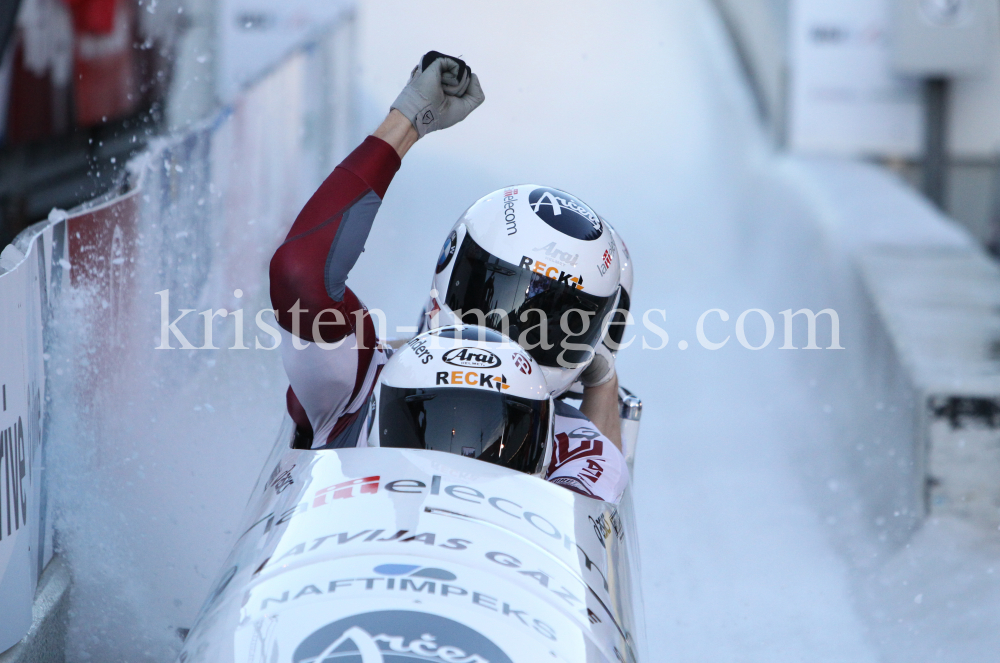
{"type": "Point", "coordinates": [843, 97]}
{"type": "Point", "coordinates": [24, 291]}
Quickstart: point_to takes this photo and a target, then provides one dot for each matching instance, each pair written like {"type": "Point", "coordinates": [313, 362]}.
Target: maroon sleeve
{"type": "Point", "coordinates": [309, 269]}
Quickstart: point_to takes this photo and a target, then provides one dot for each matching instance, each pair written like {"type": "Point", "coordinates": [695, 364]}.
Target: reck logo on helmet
{"type": "Point", "coordinates": [471, 358]}
{"type": "Point", "coordinates": [565, 213]}
{"type": "Point", "coordinates": [472, 378]}
{"type": "Point", "coordinates": [540, 267]}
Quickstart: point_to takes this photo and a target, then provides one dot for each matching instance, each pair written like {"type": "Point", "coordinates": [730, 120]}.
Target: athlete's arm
{"type": "Point", "coordinates": [313, 303]}
{"type": "Point", "coordinates": [600, 404]}
{"type": "Point", "coordinates": [309, 270]}
{"type": "Point", "coordinates": [398, 132]}
{"type": "Point", "coordinates": [583, 459]}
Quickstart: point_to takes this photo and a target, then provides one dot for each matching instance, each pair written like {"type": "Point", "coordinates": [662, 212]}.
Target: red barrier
{"type": "Point", "coordinates": [105, 80]}
{"type": "Point", "coordinates": [102, 252]}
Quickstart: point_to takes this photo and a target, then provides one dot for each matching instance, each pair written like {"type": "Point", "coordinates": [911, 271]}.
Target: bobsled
{"type": "Point", "coordinates": [386, 555]}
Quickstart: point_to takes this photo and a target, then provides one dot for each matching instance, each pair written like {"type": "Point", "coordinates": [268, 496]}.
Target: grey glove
{"type": "Point", "coordinates": [601, 368]}
{"type": "Point", "coordinates": [442, 91]}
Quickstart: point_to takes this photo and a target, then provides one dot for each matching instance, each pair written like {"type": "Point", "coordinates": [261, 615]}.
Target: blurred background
{"type": "Point", "coordinates": [910, 85]}
{"type": "Point", "coordinates": [757, 156]}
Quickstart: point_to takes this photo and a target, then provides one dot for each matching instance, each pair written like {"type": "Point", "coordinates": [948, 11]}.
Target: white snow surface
{"type": "Point", "coordinates": [755, 544]}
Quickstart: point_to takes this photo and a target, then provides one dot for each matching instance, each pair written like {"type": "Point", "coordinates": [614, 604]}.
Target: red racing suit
{"type": "Point", "coordinates": [329, 345]}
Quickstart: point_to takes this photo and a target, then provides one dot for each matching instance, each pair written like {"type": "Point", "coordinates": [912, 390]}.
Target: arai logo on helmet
{"type": "Point", "coordinates": [397, 636]}
{"type": "Point", "coordinates": [565, 213]}
{"type": "Point", "coordinates": [471, 358]}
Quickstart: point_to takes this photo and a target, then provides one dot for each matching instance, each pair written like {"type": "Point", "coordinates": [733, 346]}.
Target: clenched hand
{"type": "Point", "coordinates": [442, 91]}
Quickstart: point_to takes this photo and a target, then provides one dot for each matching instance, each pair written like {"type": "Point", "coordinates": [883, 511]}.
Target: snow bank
{"type": "Point", "coordinates": [150, 456]}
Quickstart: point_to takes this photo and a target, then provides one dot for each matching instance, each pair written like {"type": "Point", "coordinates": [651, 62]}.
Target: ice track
{"type": "Point", "coordinates": [639, 109]}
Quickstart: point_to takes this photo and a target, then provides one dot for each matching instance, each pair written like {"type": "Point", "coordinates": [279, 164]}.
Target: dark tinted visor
{"type": "Point", "coordinates": [533, 307]}
{"type": "Point", "coordinates": [618, 321]}
{"type": "Point", "coordinates": [499, 429]}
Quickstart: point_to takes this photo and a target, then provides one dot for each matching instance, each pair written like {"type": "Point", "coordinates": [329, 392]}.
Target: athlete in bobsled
{"type": "Point", "coordinates": [456, 388]}
{"type": "Point", "coordinates": [529, 248]}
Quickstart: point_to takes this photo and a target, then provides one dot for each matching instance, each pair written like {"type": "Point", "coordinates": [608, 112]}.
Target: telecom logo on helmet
{"type": "Point", "coordinates": [397, 636]}
{"type": "Point", "coordinates": [471, 358]}
{"type": "Point", "coordinates": [565, 213]}
{"type": "Point", "coordinates": [509, 211]}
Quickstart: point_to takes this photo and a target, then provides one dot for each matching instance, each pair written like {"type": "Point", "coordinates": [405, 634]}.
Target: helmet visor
{"type": "Point", "coordinates": [549, 316]}
{"type": "Point", "coordinates": [499, 429]}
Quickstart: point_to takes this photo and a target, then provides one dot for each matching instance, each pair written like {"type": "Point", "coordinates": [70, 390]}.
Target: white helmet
{"type": "Point", "coordinates": [530, 248]}
{"type": "Point", "coordinates": [468, 391]}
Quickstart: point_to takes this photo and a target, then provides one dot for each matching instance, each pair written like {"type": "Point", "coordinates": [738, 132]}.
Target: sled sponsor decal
{"type": "Point", "coordinates": [471, 358]}
{"type": "Point", "coordinates": [592, 568]}
{"type": "Point", "coordinates": [346, 490]}
{"type": "Point", "coordinates": [397, 636]}
{"type": "Point", "coordinates": [362, 487]}
{"type": "Point", "coordinates": [553, 273]}
{"type": "Point", "coordinates": [565, 213]}
{"type": "Point", "coordinates": [410, 579]}
{"type": "Point", "coordinates": [443, 582]}
{"type": "Point", "coordinates": [280, 480]}
{"type": "Point", "coordinates": [606, 524]}
{"type": "Point", "coordinates": [414, 571]}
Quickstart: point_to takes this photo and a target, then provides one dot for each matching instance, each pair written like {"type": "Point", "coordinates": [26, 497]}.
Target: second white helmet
{"type": "Point", "coordinates": [468, 391]}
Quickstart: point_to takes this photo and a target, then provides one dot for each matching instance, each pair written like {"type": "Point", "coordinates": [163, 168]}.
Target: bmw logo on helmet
{"type": "Point", "coordinates": [447, 251]}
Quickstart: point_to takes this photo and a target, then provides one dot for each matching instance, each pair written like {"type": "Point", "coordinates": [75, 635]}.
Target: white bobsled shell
{"type": "Point", "coordinates": [479, 557]}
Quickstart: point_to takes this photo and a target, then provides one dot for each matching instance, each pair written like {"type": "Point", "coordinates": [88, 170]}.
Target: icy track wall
{"type": "Point", "coordinates": [915, 400]}
{"type": "Point", "coordinates": [129, 429]}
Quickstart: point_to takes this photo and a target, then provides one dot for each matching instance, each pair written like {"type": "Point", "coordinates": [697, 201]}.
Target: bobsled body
{"type": "Point", "coordinates": [377, 555]}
